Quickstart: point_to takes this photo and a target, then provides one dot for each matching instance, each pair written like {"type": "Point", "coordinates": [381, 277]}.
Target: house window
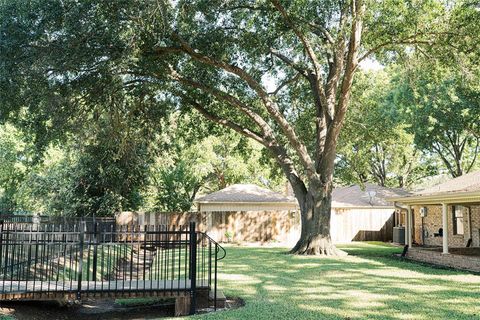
{"type": "Point", "coordinates": [457, 212]}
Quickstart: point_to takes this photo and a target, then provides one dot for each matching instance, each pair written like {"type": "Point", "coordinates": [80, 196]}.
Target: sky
{"type": "Point", "coordinates": [366, 65]}
{"type": "Point", "coordinates": [371, 65]}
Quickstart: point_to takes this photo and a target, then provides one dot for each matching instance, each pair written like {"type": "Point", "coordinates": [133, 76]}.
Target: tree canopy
{"type": "Point", "coordinates": [375, 145]}
{"type": "Point", "coordinates": [441, 106]}
{"type": "Point", "coordinates": [277, 72]}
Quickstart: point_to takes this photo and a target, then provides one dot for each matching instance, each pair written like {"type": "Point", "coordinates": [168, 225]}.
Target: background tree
{"type": "Point", "coordinates": [441, 106]}
{"type": "Point", "coordinates": [186, 167]}
{"type": "Point", "coordinates": [15, 158]}
{"type": "Point", "coordinates": [374, 145]}
{"type": "Point", "coordinates": [94, 178]}
{"type": "Point", "coordinates": [270, 70]}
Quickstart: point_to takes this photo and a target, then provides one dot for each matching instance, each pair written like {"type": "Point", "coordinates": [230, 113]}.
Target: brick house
{"type": "Point", "coordinates": [442, 224]}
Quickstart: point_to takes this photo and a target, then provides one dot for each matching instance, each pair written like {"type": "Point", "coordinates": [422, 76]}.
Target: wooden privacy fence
{"type": "Point", "coordinates": [250, 226]}
{"type": "Point", "coordinates": [357, 224]}
{"type": "Point", "coordinates": [362, 224]}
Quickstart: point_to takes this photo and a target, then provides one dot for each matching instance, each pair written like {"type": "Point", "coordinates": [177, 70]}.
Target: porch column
{"type": "Point", "coordinates": [445, 227]}
{"type": "Point", "coordinates": [410, 225]}
{"type": "Point", "coordinates": [407, 224]}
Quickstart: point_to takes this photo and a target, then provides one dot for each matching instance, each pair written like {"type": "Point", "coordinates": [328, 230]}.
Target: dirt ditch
{"type": "Point", "coordinates": [97, 309]}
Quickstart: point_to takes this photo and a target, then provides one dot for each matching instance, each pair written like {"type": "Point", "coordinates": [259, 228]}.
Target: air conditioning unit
{"type": "Point", "coordinates": [423, 212]}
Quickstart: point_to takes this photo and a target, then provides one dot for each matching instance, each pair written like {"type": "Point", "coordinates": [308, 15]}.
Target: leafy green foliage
{"type": "Point", "coordinates": [14, 161]}
{"type": "Point", "coordinates": [96, 180]}
{"type": "Point", "coordinates": [186, 167]}
{"type": "Point", "coordinates": [81, 58]}
{"type": "Point", "coordinates": [441, 106]}
{"type": "Point", "coordinates": [176, 188]}
{"type": "Point", "coordinates": [374, 145]}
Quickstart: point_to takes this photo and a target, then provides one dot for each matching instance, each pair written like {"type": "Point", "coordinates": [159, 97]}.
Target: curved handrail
{"type": "Point", "coordinates": [217, 245]}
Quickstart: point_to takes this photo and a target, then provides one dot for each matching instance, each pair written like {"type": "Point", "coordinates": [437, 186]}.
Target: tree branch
{"type": "Point", "coordinates": [269, 104]}
{"type": "Point", "coordinates": [407, 40]}
{"type": "Point", "coordinates": [304, 72]}
{"type": "Point", "coordinates": [445, 160]}
{"type": "Point", "coordinates": [322, 31]}
{"type": "Point", "coordinates": [284, 83]}
{"type": "Point", "coordinates": [264, 126]}
{"type": "Point", "coordinates": [277, 150]}
{"type": "Point", "coordinates": [224, 122]}
{"type": "Point", "coordinates": [306, 44]}
{"type": "Point", "coordinates": [475, 155]}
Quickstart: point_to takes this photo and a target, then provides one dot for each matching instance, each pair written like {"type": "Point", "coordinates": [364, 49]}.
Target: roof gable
{"type": "Point", "coordinates": [372, 196]}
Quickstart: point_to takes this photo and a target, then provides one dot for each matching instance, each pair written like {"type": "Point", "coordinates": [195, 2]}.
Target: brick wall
{"type": "Point", "coordinates": [471, 263]}
{"type": "Point", "coordinates": [433, 222]}
{"type": "Point", "coordinates": [475, 217]}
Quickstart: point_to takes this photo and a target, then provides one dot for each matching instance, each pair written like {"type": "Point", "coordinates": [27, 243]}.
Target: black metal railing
{"type": "Point", "coordinates": [57, 221]}
{"type": "Point", "coordinates": [47, 259]}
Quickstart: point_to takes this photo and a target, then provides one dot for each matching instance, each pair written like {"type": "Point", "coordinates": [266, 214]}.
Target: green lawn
{"type": "Point", "coordinates": [368, 284]}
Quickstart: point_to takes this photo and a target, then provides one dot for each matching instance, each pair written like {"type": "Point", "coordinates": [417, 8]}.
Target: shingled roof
{"type": "Point", "coordinates": [467, 183]}
{"type": "Point", "coordinates": [371, 195]}
{"type": "Point", "coordinates": [242, 193]}
{"type": "Point", "coordinates": [464, 189]}
{"type": "Point", "coordinates": [245, 197]}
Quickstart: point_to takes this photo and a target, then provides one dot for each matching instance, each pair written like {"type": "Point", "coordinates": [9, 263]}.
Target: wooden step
{"type": "Point", "coordinates": [221, 299]}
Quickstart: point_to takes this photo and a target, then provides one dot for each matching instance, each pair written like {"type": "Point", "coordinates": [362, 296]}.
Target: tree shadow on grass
{"type": "Point", "coordinates": [365, 285]}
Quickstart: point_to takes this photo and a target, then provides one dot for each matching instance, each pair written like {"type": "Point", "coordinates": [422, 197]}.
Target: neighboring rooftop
{"type": "Point", "coordinates": [464, 189]}
{"type": "Point", "coordinates": [469, 182]}
{"type": "Point", "coordinates": [244, 193]}
{"type": "Point", "coordinates": [371, 195]}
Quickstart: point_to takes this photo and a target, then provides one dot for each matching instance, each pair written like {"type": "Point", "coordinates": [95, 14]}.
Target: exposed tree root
{"type": "Point", "coordinates": [318, 246]}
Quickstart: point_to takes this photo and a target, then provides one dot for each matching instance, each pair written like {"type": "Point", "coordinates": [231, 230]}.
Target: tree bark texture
{"type": "Point", "coordinates": [315, 208]}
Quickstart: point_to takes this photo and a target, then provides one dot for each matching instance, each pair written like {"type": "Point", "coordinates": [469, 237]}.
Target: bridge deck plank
{"type": "Point", "coordinates": [19, 287]}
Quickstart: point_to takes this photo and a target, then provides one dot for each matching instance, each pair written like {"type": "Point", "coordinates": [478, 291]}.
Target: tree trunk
{"type": "Point", "coordinates": [315, 209]}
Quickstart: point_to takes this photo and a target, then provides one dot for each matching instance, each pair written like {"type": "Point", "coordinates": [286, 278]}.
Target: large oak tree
{"type": "Point", "coordinates": [278, 72]}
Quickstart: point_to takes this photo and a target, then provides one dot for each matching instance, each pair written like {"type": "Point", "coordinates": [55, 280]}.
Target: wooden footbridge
{"type": "Point", "coordinates": [72, 261]}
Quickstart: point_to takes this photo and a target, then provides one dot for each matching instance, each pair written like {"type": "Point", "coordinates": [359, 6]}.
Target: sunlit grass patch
{"type": "Point", "coordinates": [368, 284]}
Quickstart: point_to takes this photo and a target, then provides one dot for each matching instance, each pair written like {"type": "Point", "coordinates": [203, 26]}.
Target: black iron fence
{"type": "Point", "coordinates": [38, 260]}
{"type": "Point", "coordinates": [57, 221]}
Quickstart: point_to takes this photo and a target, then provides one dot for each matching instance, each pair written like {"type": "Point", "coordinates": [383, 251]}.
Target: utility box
{"type": "Point", "coordinates": [423, 212]}
{"type": "Point", "coordinates": [399, 235]}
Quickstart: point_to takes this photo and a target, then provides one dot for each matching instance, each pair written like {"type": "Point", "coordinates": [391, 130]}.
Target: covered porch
{"type": "Point", "coordinates": [454, 223]}
{"type": "Point", "coordinates": [445, 234]}
{"type": "Point", "coordinates": [442, 223]}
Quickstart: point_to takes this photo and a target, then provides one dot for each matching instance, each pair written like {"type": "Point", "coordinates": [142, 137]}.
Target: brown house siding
{"type": "Point", "coordinates": [433, 222]}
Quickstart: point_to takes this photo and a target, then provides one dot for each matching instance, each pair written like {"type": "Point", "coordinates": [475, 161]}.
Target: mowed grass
{"type": "Point", "coordinates": [368, 284]}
